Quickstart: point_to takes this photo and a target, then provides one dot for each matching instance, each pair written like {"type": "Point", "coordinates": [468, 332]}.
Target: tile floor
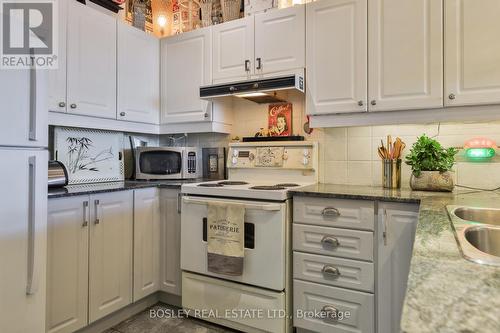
{"type": "Point", "coordinates": [143, 323]}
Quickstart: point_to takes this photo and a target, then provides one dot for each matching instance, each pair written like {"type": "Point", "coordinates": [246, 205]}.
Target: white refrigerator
{"type": "Point", "coordinates": [23, 199]}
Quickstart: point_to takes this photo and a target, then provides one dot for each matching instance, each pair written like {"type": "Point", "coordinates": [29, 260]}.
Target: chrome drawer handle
{"type": "Point", "coordinates": [330, 241]}
{"type": "Point", "coordinates": [330, 212]}
{"type": "Point", "coordinates": [329, 312]}
{"type": "Point", "coordinates": [85, 207]}
{"type": "Point", "coordinates": [331, 271]}
{"type": "Point", "coordinates": [96, 206]}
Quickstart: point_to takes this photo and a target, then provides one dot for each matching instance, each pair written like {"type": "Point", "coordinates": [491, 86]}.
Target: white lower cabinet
{"type": "Point", "coordinates": [146, 242]}
{"type": "Point", "coordinates": [170, 255]}
{"type": "Point", "coordinates": [110, 259]}
{"type": "Point", "coordinates": [89, 272]}
{"type": "Point", "coordinates": [339, 310]}
{"type": "Point", "coordinates": [397, 225]}
{"type": "Point", "coordinates": [67, 264]}
{"type": "Point", "coordinates": [348, 280]}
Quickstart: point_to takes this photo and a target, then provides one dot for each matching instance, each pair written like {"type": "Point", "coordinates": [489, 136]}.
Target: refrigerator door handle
{"type": "Point", "coordinates": [33, 101]}
{"type": "Point", "coordinates": [32, 281]}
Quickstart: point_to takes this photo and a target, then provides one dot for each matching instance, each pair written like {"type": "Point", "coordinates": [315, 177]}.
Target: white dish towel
{"type": "Point", "coordinates": [226, 238]}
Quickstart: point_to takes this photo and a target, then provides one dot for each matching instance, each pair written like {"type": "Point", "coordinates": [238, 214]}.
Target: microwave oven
{"type": "Point", "coordinates": [157, 163]}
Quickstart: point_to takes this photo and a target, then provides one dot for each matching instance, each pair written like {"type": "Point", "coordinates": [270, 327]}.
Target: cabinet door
{"type": "Point", "coordinates": [110, 259]}
{"type": "Point", "coordinates": [138, 75]}
{"type": "Point", "coordinates": [170, 255]}
{"type": "Point", "coordinates": [23, 235]}
{"type": "Point", "coordinates": [336, 56]}
{"type": "Point", "coordinates": [186, 62]}
{"type": "Point", "coordinates": [91, 62]}
{"type": "Point", "coordinates": [67, 264]}
{"type": "Point", "coordinates": [146, 242]}
{"type": "Point", "coordinates": [405, 54]}
{"type": "Point", "coordinates": [280, 38]}
{"type": "Point", "coordinates": [233, 50]}
{"type": "Point", "coordinates": [397, 225]}
{"type": "Point", "coordinates": [472, 52]}
{"type": "Point", "coordinates": [57, 77]}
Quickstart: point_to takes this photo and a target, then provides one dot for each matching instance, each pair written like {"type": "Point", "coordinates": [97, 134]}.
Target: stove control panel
{"type": "Point", "coordinates": [288, 156]}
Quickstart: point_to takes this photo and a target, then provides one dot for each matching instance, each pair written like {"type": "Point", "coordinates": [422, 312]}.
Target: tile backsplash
{"type": "Point", "coordinates": [350, 154]}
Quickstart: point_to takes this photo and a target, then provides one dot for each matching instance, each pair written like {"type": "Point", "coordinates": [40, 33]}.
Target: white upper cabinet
{"type": "Point", "coordinates": [406, 54]}
{"type": "Point", "coordinates": [91, 62]}
{"type": "Point", "coordinates": [472, 52]}
{"type": "Point", "coordinates": [57, 77]}
{"type": "Point", "coordinates": [280, 40]}
{"type": "Point", "coordinates": [186, 65]}
{"type": "Point", "coordinates": [233, 50]}
{"type": "Point", "coordinates": [138, 75]}
{"type": "Point", "coordinates": [336, 56]}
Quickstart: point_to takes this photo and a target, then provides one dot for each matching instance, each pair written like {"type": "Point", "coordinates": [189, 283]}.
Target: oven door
{"type": "Point", "coordinates": [265, 241]}
{"type": "Point", "coordinates": [154, 163]}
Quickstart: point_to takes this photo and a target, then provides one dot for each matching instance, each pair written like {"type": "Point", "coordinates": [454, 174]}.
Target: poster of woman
{"type": "Point", "coordinates": [280, 119]}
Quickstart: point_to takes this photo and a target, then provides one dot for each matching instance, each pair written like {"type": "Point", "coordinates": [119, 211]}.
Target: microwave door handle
{"type": "Point", "coordinates": [265, 207]}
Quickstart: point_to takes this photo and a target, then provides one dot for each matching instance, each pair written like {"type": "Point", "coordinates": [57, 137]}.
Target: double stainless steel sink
{"type": "Point", "coordinates": [478, 233]}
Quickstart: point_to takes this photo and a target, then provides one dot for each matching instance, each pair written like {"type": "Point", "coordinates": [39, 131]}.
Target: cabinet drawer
{"type": "Point", "coordinates": [344, 243]}
{"type": "Point", "coordinates": [354, 214]}
{"type": "Point", "coordinates": [333, 271]}
{"type": "Point", "coordinates": [355, 309]}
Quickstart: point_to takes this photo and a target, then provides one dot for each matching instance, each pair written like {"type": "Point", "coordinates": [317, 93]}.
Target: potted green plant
{"type": "Point", "coordinates": [431, 164]}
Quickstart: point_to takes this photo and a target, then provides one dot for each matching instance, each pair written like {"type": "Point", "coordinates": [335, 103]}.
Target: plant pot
{"type": "Point", "coordinates": [432, 181]}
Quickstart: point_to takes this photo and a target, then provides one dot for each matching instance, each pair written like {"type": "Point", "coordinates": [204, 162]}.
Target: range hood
{"type": "Point", "coordinates": [262, 90]}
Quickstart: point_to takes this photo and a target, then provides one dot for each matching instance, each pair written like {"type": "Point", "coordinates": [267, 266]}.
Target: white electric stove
{"type": "Point", "coordinates": [260, 178]}
{"type": "Point", "coordinates": [263, 171]}
{"type": "Point", "coordinates": [268, 190]}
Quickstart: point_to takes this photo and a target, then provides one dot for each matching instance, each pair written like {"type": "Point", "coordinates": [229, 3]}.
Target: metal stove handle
{"type": "Point", "coordinates": [266, 207]}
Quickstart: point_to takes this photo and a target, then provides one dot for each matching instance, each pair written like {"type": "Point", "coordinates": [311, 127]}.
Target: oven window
{"type": "Point", "coordinates": [160, 162]}
{"type": "Point", "coordinates": [249, 233]}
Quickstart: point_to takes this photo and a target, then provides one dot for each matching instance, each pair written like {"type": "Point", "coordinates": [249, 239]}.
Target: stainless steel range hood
{"type": "Point", "coordinates": [261, 90]}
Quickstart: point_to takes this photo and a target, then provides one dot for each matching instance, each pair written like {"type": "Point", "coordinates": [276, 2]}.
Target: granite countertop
{"type": "Point", "coordinates": [446, 293]}
{"type": "Point", "coordinates": [86, 189]}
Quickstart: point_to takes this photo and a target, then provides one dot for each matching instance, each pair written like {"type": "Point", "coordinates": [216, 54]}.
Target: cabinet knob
{"type": "Point", "coordinates": [330, 241]}
{"type": "Point", "coordinates": [329, 312]}
{"type": "Point", "coordinates": [360, 103]}
{"type": "Point", "coordinates": [373, 102]}
{"type": "Point", "coordinates": [122, 114]}
{"type": "Point", "coordinates": [331, 271]}
{"type": "Point", "coordinates": [206, 115]}
{"type": "Point", "coordinates": [73, 106]}
{"type": "Point", "coordinates": [451, 96]}
{"type": "Point", "coordinates": [62, 104]}
{"type": "Point", "coordinates": [247, 65]}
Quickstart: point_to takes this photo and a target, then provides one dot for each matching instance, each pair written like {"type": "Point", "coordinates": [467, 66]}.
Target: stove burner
{"type": "Point", "coordinates": [287, 185]}
{"type": "Point", "coordinates": [229, 183]}
{"type": "Point", "coordinates": [268, 188]}
{"type": "Point", "coordinates": [210, 185]}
